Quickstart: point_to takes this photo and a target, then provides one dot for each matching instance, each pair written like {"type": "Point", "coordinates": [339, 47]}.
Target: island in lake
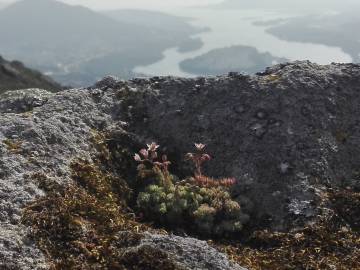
{"type": "Point", "coordinates": [235, 58]}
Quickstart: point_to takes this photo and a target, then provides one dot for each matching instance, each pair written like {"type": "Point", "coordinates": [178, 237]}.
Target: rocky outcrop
{"type": "Point", "coordinates": [284, 134]}
{"type": "Point", "coordinates": [14, 75]}
{"type": "Point", "coordinates": [45, 139]}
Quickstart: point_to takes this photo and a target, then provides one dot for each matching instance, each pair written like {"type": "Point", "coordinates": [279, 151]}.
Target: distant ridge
{"type": "Point", "coordinates": [14, 75]}
{"type": "Point", "coordinates": [78, 45]}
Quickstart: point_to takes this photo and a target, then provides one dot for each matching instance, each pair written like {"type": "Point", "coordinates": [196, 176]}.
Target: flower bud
{"type": "Point", "coordinates": [137, 158]}
{"type": "Point", "coordinates": [199, 146]}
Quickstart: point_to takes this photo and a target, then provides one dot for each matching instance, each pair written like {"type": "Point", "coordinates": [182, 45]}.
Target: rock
{"type": "Point", "coordinates": [48, 137]}
{"type": "Point", "coordinates": [106, 82]}
{"type": "Point", "coordinates": [190, 253]}
{"type": "Point", "coordinates": [277, 170]}
{"type": "Point", "coordinates": [18, 101]}
{"type": "Point", "coordinates": [17, 251]}
{"type": "Point", "coordinates": [274, 139]}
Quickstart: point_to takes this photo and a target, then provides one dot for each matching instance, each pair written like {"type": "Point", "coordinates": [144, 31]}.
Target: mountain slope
{"type": "Point", "coordinates": [14, 75]}
{"type": "Point", "coordinates": [154, 19]}
{"type": "Point", "coordinates": [73, 42]}
{"type": "Point", "coordinates": [174, 27]}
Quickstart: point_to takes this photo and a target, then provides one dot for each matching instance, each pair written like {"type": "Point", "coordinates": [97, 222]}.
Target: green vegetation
{"type": "Point", "coordinates": [198, 204]}
{"type": "Point", "coordinates": [208, 211]}
{"type": "Point", "coordinates": [87, 224]}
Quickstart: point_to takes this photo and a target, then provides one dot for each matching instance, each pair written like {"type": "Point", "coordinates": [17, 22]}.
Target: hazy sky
{"type": "Point", "coordinates": [145, 4]}
{"type": "Point", "coordinates": [170, 4]}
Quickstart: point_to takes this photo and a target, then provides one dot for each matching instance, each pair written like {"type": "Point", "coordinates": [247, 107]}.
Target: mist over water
{"type": "Point", "coordinates": [79, 41]}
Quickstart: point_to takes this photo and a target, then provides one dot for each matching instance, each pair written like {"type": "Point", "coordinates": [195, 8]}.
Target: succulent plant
{"type": "Point", "coordinates": [200, 203]}
{"type": "Point", "coordinates": [198, 158]}
{"type": "Point", "coordinates": [152, 167]}
{"type": "Point", "coordinates": [208, 211]}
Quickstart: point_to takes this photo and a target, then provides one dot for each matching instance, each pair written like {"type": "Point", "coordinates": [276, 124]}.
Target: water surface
{"type": "Point", "coordinates": [236, 27]}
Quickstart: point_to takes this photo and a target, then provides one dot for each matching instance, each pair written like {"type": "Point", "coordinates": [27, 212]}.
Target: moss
{"type": "Point", "coordinates": [147, 257]}
{"type": "Point", "coordinates": [98, 140]}
{"type": "Point", "coordinates": [43, 182]}
{"type": "Point", "coordinates": [115, 153]}
{"type": "Point", "coordinates": [273, 77]}
{"type": "Point", "coordinates": [27, 114]}
{"type": "Point", "coordinates": [104, 185]}
{"type": "Point", "coordinates": [78, 226]}
{"type": "Point", "coordinates": [13, 146]}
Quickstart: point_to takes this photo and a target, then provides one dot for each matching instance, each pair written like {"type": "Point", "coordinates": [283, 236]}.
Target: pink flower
{"type": "Point", "coordinates": [144, 153]}
{"type": "Point", "coordinates": [154, 155]}
{"type": "Point", "coordinates": [189, 156]}
{"type": "Point", "coordinates": [152, 147]}
{"type": "Point", "coordinates": [137, 158]}
{"type": "Point", "coordinates": [205, 157]}
{"type": "Point", "coordinates": [200, 146]}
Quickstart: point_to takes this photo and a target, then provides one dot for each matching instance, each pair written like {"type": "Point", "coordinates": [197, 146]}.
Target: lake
{"type": "Point", "coordinates": [235, 27]}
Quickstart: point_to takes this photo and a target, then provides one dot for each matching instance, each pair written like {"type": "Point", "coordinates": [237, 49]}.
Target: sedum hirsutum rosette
{"type": "Point", "coordinates": [200, 203]}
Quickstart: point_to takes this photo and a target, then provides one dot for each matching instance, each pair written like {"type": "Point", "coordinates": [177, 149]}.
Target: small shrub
{"type": "Point", "coordinates": [199, 203]}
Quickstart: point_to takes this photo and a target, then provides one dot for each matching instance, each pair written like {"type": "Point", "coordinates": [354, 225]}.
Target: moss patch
{"type": "Point", "coordinates": [147, 257]}
{"type": "Point", "coordinates": [273, 77]}
{"type": "Point", "coordinates": [78, 226]}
